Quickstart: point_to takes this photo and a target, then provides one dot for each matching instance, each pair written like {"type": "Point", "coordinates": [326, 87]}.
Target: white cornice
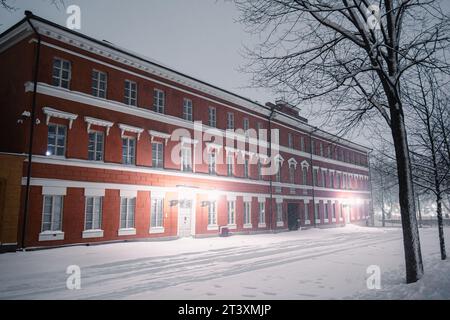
{"type": "Point", "coordinates": [53, 113]}
{"type": "Point", "coordinates": [98, 122]}
{"type": "Point", "coordinates": [126, 128]}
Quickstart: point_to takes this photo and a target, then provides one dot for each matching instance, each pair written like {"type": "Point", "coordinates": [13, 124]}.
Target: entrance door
{"type": "Point", "coordinates": [184, 218]}
{"type": "Point", "coordinates": [293, 216]}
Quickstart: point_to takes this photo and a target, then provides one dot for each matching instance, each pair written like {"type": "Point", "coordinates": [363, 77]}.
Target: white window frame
{"type": "Point", "coordinates": [290, 140]}
{"type": "Point", "coordinates": [246, 168]}
{"type": "Point", "coordinates": [96, 84]}
{"type": "Point", "coordinates": [58, 80]}
{"type": "Point", "coordinates": [186, 158]}
{"type": "Point", "coordinates": [212, 117]}
{"type": "Point", "coordinates": [157, 215]}
{"type": "Point", "coordinates": [53, 227]}
{"type": "Point", "coordinates": [130, 88]}
{"type": "Point", "coordinates": [230, 121]}
{"type": "Point", "coordinates": [212, 162]}
{"type": "Point", "coordinates": [57, 135]}
{"type": "Point", "coordinates": [317, 212]}
{"type": "Point", "coordinates": [230, 165]}
{"type": "Point", "coordinates": [262, 215]}
{"type": "Point", "coordinates": [279, 212]}
{"type": "Point", "coordinates": [97, 203]}
{"type": "Point", "coordinates": [245, 125]}
{"type": "Point", "coordinates": [212, 214]}
{"type": "Point", "coordinates": [96, 150]}
{"type": "Point", "coordinates": [187, 109]}
{"type": "Point", "coordinates": [231, 210]}
{"type": "Point", "coordinates": [158, 162]}
{"type": "Point", "coordinates": [130, 157]}
{"type": "Point", "coordinates": [159, 101]}
{"type": "Point", "coordinates": [247, 214]}
{"type": "Point", "coordinates": [129, 213]}
{"type": "Point", "coordinates": [306, 213]}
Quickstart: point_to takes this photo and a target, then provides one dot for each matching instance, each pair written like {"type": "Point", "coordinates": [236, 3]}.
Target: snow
{"type": "Point", "coordinates": [307, 264]}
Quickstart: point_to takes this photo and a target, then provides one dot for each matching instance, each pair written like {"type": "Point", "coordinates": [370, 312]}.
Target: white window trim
{"type": "Point", "coordinates": [53, 113]}
{"type": "Point", "coordinates": [280, 223]}
{"type": "Point", "coordinates": [156, 230]}
{"type": "Point", "coordinates": [307, 222]}
{"type": "Point", "coordinates": [317, 221]}
{"type": "Point", "coordinates": [212, 227]}
{"type": "Point", "coordinates": [127, 128]}
{"type": "Point", "coordinates": [157, 134]}
{"type": "Point", "coordinates": [98, 84]}
{"type": "Point", "coordinates": [54, 191]}
{"type": "Point", "coordinates": [262, 225]}
{"type": "Point", "coordinates": [248, 226]}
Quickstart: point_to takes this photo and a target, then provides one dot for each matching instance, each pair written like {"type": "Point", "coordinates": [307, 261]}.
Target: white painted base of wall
{"type": "Point", "coordinates": [127, 232]}
{"type": "Point", "coordinates": [51, 235]}
{"type": "Point", "coordinates": [88, 234]}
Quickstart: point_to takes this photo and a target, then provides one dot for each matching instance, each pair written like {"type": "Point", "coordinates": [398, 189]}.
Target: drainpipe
{"type": "Point", "coordinates": [29, 15]}
{"type": "Point", "coordinates": [272, 111]}
{"type": "Point", "coordinates": [312, 176]}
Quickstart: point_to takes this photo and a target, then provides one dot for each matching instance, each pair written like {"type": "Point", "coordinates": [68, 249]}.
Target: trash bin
{"type": "Point", "coordinates": [224, 232]}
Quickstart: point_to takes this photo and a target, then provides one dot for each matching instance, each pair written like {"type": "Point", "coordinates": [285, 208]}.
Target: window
{"type": "Point", "coordinates": [292, 173]}
{"type": "Point", "coordinates": [262, 212]}
{"type": "Point", "coordinates": [332, 179]}
{"type": "Point", "coordinates": [99, 82]}
{"type": "Point", "coordinates": [212, 214]}
{"type": "Point", "coordinates": [56, 140]}
{"type": "Point", "coordinates": [230, 121]}
{"type": "Point", "coordinates": [338, 182]}
{"type": "Point", "coordinates": [130, 97]}
{"type": "Point", "coordinates": [95, 147]}
{"type": "Point", "coordinates": [230, 161]}
{"type": "Point", "coordinates": [329, 152]}
{"type": "Point", "coordinates": [306, 212]}
{"type": "Point", "coordinates": [321, 149]}
{"type": "Point", "coordinates": [158, 100]}
{"type": "Point", "coordinates": [93, 217]}
{"type": "Point", "coordinates": [305, 176]}
{"type": "Point", "coordinates": [278, 173]}
{"type": "Point", "coordinates": [127, 207]}
{"type": "Point", "coordinates": [212, 162]}
{"type": "Point", "coordinates": [246, 168]}
{"type": "Point", "coordinates": [323, 178]}
{"type": "Point", "coordinates": [302, 144]}
{"type": "Point", "coordinates": [157, 213]}
{"type": "Point", "coordinates": [186, 158]}
{"type": "Point", "coordinates": [247, 213]}
{"type": "Point", "coordinates": [187, 109]}
{"type": "Point", "coordinates": [315, 177]}
{"type": "Point", "coordinates": [52, 213]}
{"type": "Point", "coordinates": [231, 212]}
{"type": "Point", "coordinates": [260, 175]}
{"type": "Point", "coordinates": [327, 211]}
{"type": "Point", "coordinates": [157, 155]}
{"type": "Point", "coordinates": [212, 119]}
{"type": "Point", "coordinates": [290, 140]}
{"type": "Point", "coordinates": [316, 212]}
{"type": "Point", "coordinates": [333, 212]}
{"type": "Point", "coordinates": [279, 212]}
{"type": "Point", "coordinates": [246, 124]}
{"type": "Point", "coordinates": [313, 147]}
{"type": "Point", "coordinates": [61, 73]}
{"type": "Point", "coordinates": [128, 150]}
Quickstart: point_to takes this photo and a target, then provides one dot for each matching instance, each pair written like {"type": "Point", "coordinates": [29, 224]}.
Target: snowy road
{"type": "Point", "coordinates": [312, 264]}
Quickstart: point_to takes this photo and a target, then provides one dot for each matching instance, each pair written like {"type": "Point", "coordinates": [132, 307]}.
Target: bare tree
{"type": "Point", "coordinates": [355, 57]}
{"type": "Point", "coordinates": [8, 4]}
{"type": "Point", "coordinates": [431, 169]}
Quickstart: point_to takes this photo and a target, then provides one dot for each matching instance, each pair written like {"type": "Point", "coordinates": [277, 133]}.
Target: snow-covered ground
{"type": "Point", "coordinates": [311, 264]}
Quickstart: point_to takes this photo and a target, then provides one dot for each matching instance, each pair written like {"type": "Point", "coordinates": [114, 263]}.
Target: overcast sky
{"type": "Point", "coordinates": [198, 37]}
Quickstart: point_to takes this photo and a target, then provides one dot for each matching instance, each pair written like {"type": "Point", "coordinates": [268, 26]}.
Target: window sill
{"type": "Point", "coordinates": [87, 234]}
{"type": "Point", "coordinates": [248, 226]}
{"type": "Point", "coordinates": [127, 232]}
{"type": "Point", "coordinates": [261, 225]}
{"type": "Point", "coordinates": [213, 227]}
{"type": "Point", "coordinates": [232, 226]}
{"type": "Point", "coordinates": [280, 223]}
{"type": "Point", "coordinates": [307, 222]}
{"type": "Point", "coordinates": [292, 191]}
{"type": "Point", "coordinates": [157, 230]}
{"type": "Point", "coordinates": [51, 235]}
{"type": "Point", "coordinates": [317, 221]}
{"type": "Point", "coordinates": [333, 220]}
{"type": "Point", "coordinates": [325, 220]}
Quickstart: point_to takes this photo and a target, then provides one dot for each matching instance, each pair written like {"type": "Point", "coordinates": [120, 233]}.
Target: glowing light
{"type": "Point", "coordinates": [48, 153]}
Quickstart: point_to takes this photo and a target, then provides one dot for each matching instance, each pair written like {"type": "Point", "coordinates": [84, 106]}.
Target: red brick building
{"type": "Point", "coordinates": [106, 165]}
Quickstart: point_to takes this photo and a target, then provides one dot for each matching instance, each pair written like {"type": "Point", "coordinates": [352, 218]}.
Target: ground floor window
{"type": "Point", "coordinates": [127, 208]}
{"type": "Point", "coordinates": [93, 215]}
{"type": "Point", "coordinates": [212, 213]}
{"type": "Point", "coordinates": [157, 213]}
{"type": "Point", "coordinates": [262, 212]}
{"type": "Point", "coordinates": [334, 211]}
{"type": "Point", "coordinates": [306, 212]}
{"type": "Point", "coordinates": [247, 213]}
{"type": "Point", "coordinates": [52, 213]}
{"type": "Point", "coordinates": [279, 212]}
{"type": "Point", "coordinates": [316, 212]}
{"type": "Point", "coordinates": [231, 212]}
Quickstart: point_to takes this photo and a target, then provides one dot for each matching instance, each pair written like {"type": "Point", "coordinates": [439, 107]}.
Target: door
{"type": "Point", "coordinates": [293, 216]}
{"type": "Point", "coordinates": [184, 218]}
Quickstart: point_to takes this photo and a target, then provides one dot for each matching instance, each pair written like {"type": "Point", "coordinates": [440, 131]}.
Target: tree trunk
{"type": "Point", "coordinates": [440, 226]}
{"type": "Point", "coordinates": [411, 241]}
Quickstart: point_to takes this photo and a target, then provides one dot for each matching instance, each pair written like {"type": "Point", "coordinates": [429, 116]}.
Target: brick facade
{"type": "Point", "coordinates": [74, 177]}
